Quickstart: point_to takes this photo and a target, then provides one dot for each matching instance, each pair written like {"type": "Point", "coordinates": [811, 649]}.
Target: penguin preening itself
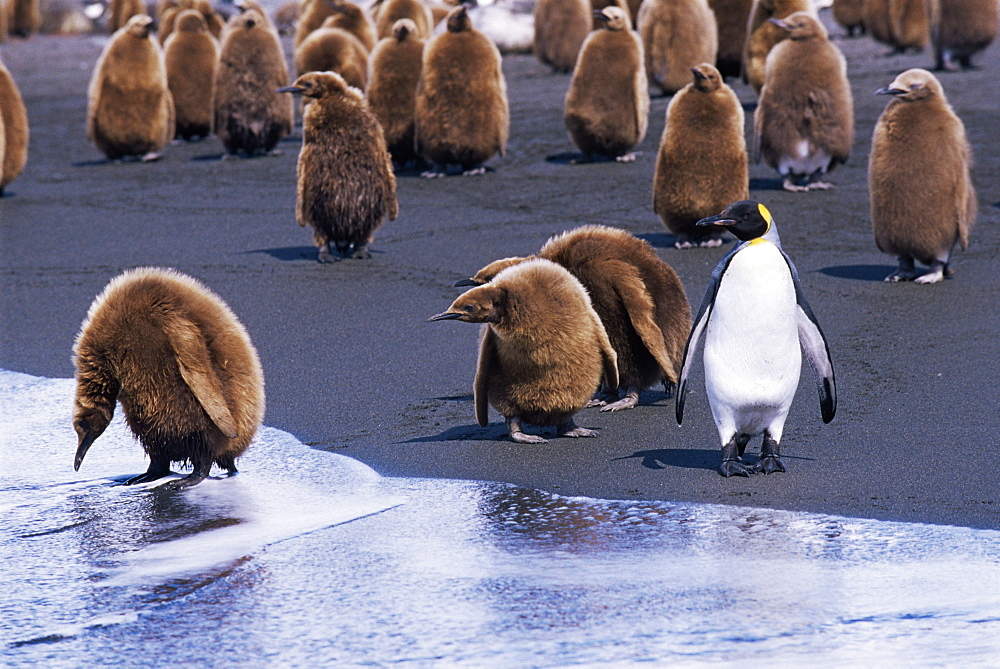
{"type": "Point", "coordinates": [607, 103]}
{"type": "Point", "coordinates": [804, 121]}
{"type": "Point", "coordinates": [755, 318]}
{"type": "Point", "coordinates": [922, 197]}
{"type": "Point", "coordinates": [181, 365]}
{"type": "Point", "coordinates": [543, 349]}
{"type": "Point", "coordinates": [130, 111]}
{"type": "Point", "coordinates": [638, 297]}
{"type": "Point", "coordinates": [346, 185]}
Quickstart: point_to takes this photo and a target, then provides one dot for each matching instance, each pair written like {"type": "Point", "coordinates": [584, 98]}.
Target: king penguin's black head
{"type": "Point", "coordinates": [746, 219]}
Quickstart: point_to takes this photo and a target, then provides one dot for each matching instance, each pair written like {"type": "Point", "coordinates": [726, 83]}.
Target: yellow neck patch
{"type": "Point", "coordinates": [766, 214]}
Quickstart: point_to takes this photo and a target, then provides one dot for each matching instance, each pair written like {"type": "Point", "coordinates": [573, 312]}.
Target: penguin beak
{"type": "Point", "coordinates": [781, 24]}
{"type": "Point", "coordinates": [889, 90]}
{"type": "Point", "coordinates": [720, 220]}
{"type": "Point", "coordinates": [445, 316]}
{"type": "Point", "coordinates": [698, 74]}
{"type": "Point", "coordinates": [462, 283]}
{"type": "Point", "coordinates": [598, 14]}
{"type": "Point", "coordinates": [294, 90]}
{"type": "Point", "coordinates": [85, 441]}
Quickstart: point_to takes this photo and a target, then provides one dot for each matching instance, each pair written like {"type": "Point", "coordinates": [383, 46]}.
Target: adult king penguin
{"type": "Point", "coordinates": [755, 317]}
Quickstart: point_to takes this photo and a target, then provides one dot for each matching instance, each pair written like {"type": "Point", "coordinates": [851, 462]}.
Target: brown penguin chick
{"type": "Point", "coordinates": [346, 186]}
{"type": "Point", "coordinates": [24, 17]}
{"type": "Point", "coordinates": [922, 197]}
{"type": "Point", "coordinates": [212, 19]}
{"type": "Point", "coordinates": [130, 111]}
{"type": "Point", "coordinates": [637, 296]}
{"type": "Point", "coordinates": [731, 18]}
{"type": "Point", "coordinates": [14, 128]}
{"type": "Point", "coordinates": [462, 116]}
{"type": "Point", "coordinates": [348, 16]}
{"type": "Point", "coordinates": [908, 20]}
{"type": "Point", "coordinates": [561, 26]}
{"type": "Point", "coordinates": [394, 72]}
{"type": "Point", "coordinates": [247, 5]}
{"type": "Point", "coordinates": [875, 15]}
{"type": "Point", "coordinates": [702, 161]}
{"type": "Point", "coordinates": [331, 49]}
{"type": "Point", "coordinates": [311, 17]}
{"type": "Point", "coordinates": [762, 36]}
{"type": "Point", "coordinates": [168, 15]}
{"type": "Point", "coordinates": [120, 11]}
{"type": "Point", "coordinates": [607, 104]}
{"type": "Point", "coordinates": [390, 11]}
{"type": "Point", "coordinates": [804, 122]}
{"type": "Point", "coordinates": [597, 23]}
{"type": "Point", "coordinates": [543, 349]}
{"type": "Point", "coordinates": [849, 14]}
{"type": "Point", "coordinates": [191, 57]}
{"type": "Point", "coordinates": [676, 36]}
{"type": "Point", "coordinates": [181, 365]}
{"type": "Point", "coordinates": [250, 116]}
{"type": "Point", "coordinates": [961, 28]}
{"type": "Point", "coordinates": [286, 17]}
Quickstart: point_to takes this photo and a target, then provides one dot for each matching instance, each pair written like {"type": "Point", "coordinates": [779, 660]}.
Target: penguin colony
{"type": "Point", "coordinates": [595, 309]}
{"type": "Point", "coordinates": [181, 365]}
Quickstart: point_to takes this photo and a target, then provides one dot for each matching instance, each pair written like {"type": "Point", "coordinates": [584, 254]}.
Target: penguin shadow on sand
{"type": "Point", "coordinates": [221, 155]}
{"type": "Point", "coordinates": [859, 272]}
{"type": "Point", "coordinates": [686, 458]}
{"type": "Point", "coordinates": [758, 183]}
{"type": "Point", "coordinates": [299, 253]}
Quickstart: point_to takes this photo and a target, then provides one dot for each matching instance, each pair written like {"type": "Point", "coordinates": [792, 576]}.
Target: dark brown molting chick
{"type": "Point", "coordinates": [250, 116]}
{"type": "Point", "coordinates": [346, 186]}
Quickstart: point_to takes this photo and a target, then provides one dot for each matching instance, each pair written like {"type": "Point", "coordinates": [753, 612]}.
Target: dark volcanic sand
{"type": "Point", "coordinates": [353, 366]}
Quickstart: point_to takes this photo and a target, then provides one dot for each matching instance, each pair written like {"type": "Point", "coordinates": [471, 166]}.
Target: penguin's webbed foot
{"type": "Point", "coordinates": [934, 275]}
{"type": "Point", "coordinates": [626, 158]}
{"type": "Point", "coordinates": [630, 401]}
{"type": "Point", "coordinates": [571, 429]}
{"type": "Point", "coordinates": [147, 477]}
{"type": "Point", "coordinates": [437, 171]}
{"type": "Point", "coordinates": [152, 156]}
{"type": "Point", "coordinates": [820, 185]}
{"type": "Point", "coordinates": [525, 438]}
{"type": "Point", "coordinates": [361, 252]}
{"type": "Point", "coordinates": [324, 255]}
{"type": "Point", "coordinates": [711, 242]}
{"type": "Point", "coordinates": [906, 271]}
{"type": "Point", "coordinates": [474, 171]}
{"type": "Point", "coordinates": [732, 464]}
{"type": "Point", "coordinates": [770, 457]}
{"type": "Point", "coordinates": [734, 467]}
{"type": "Point", "coordinates": [602, 397]}
{"type": "Point", "coordinates": [192, 479]}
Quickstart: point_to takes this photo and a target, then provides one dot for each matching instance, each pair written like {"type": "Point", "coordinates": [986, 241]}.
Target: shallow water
{"type": "Point", "coordinates": [311, 558]}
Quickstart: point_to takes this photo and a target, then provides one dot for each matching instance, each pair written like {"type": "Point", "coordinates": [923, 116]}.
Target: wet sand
{"type": "Point", "coordinates": [352, 366]}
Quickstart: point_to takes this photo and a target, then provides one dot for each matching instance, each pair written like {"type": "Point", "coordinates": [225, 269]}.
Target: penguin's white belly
{"type": "Point", "coordinates": [808, 159]}
{"type": "Point", "coordinates": [752, 355]}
